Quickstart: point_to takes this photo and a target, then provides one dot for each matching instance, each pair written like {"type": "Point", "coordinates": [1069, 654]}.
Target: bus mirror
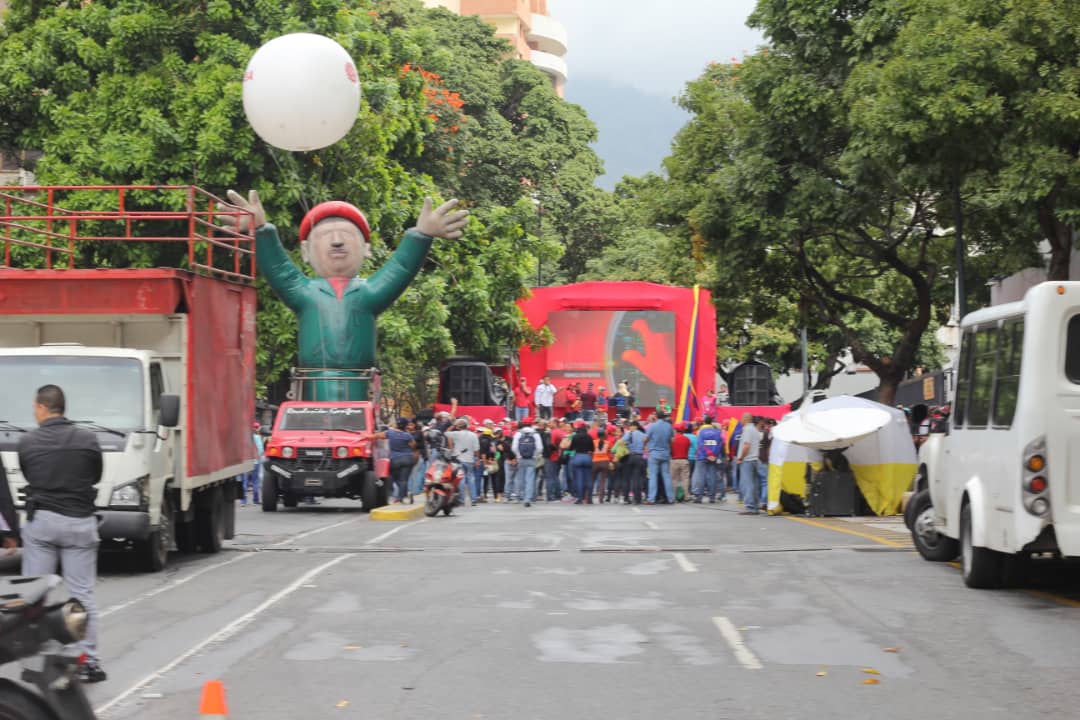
{"type": "Point", "coordinates": [170, 411]}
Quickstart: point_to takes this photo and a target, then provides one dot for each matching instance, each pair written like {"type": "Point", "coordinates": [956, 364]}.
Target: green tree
{"type": "Point", "coordinates": [765, 174]}
{"type": "Point", "coordinates": [981, 98]}
{"type": "Point", "coordinates": [141, 92]}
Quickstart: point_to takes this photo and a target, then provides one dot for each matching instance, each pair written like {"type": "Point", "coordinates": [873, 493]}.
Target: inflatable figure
{"type": "Point", "coordinates": [337, 310]}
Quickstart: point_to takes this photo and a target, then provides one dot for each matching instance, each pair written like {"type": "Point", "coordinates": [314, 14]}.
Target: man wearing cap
{"type": "Point", "coordinates": [337, 310]}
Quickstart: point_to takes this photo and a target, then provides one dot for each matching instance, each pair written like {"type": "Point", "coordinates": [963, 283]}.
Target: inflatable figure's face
{"type": "Point", "coordinates": [335, 248]}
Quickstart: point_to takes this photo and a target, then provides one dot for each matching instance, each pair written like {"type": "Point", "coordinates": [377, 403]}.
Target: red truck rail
{"type": "Point", "coordinates": [41, 228]}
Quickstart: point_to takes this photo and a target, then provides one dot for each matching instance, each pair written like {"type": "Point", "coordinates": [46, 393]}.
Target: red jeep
{"type": "Point", "coordinates": [323, 449]}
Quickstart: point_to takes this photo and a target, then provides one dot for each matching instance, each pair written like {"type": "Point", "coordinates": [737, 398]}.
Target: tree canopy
{"type": "Point", "coordinates": [140, 92]}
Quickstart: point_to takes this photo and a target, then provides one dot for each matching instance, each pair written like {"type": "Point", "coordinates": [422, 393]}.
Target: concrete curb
{"type": "Point", "coordinates": [398, 513]}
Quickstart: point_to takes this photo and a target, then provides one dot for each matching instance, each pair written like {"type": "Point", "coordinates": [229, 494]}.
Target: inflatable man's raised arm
{"type": "Point", "coordinates": [337, 310]}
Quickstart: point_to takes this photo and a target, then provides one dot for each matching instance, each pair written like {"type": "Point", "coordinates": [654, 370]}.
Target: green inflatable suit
{"type": "Point", "coordinates": [337, 309]}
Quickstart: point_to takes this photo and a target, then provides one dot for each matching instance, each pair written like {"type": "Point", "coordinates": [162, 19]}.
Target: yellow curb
{"type": "Point", "coordinates": [398, 512]}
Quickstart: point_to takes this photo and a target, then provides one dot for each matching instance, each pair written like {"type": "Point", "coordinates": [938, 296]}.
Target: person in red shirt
{"type": "Point", "coordinates": [522, 399]}
{"type": "Point", "coordinates": [552, 466]}
{"type": "Point", "coordinates": [680, 461]}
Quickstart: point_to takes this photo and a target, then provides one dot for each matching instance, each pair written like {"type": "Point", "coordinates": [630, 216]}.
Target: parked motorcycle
{"type": "Point", "coordinates": [34, 633]}
{"type": "Point", "coordinates": [442, 483]}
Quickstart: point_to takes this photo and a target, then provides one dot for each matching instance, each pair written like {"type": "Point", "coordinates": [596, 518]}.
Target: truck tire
{"type": "Point", "coordinates": [980, 567]}
{"type": "Point", "coordinates": [153, 552]}
{"type": "Point", "coordinates": [210, 520]}
{"type": "Point", "coordinates": [269, 492]}
{"type": "Point", "coordinates": [383, 496]}
{"type": "Point", "coordinates": [931, 544]}
{"type": "Point", "coordinates": [19, 704]}
{"type": "Point", "coordinates": [232, 493]}
{"type": "Point", "coordinates": [369, 493]}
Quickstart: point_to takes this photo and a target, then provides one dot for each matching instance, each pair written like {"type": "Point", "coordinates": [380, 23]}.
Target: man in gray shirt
{"type": "Point", "coordinates": [747, 459]}
{"type": "Point", "coordinates": [658, 438]}
{"type": "Point", "coordinates": [466, 448]}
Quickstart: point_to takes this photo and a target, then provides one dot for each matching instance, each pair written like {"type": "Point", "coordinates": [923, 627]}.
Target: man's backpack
{"type": "Point", "coordinates": [527, 445]}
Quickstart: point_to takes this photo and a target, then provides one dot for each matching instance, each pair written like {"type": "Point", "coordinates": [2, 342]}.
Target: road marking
{"type": "Point", "coordinates": [684, 562]}
{"type": "Point", "coordinates": [188, 578]}
{"type": "Point", "coordinates": [171, 585]}
{"type": "Point", "coordinates": [223, 634]}
{"type": "Point", "coordinates": [856, 533]}
{"type": "Point", "coordinates": [388, 533]}
{"type": "Point", "coordinates": [316, 531]}
{"type": "Point", "coordinates": [734, 639]}
{"type": "Point", "coordinates": [651, 525]}
{"type": "Point", "coordinates": [636, 510]}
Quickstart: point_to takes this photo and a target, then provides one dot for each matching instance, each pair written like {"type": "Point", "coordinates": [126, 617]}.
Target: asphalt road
{"type": "Point", "coordinates": [562, 612]}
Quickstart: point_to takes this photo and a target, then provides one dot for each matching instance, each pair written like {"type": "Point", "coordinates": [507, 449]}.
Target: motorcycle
{"type": "Point", "coordinates": [442, 483]}
{"type": "Point", "coordinates": [34, 633]}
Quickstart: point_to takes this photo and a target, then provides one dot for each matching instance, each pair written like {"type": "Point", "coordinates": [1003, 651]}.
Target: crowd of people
{"type": "Point", "coordinates": [589, 456]}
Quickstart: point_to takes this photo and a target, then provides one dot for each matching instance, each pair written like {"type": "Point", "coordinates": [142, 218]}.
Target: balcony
{"type": "Point", "coordinates": [547, 34]}
{"type": "Point", "coordinates": [553, 65]}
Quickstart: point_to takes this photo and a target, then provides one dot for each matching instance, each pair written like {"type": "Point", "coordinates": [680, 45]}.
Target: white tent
{"type": "Point", "coordinates": [883, 460]}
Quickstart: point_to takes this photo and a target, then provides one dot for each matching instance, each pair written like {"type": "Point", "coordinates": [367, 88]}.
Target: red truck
{"type": "Point", "coordinates": [158, 363]}
{"type": "Point", "coordinates": [324, 449]}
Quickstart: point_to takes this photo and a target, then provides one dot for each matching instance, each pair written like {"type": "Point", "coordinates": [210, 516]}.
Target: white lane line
{"type": "Point", "coordinates": [684, 562]}
{"type": "Point", "coordinates": [734, 638]}
{"type": "Point", "coordinates": [171, 585]}
{"type": "Point", "coordinates": [316, 531]}
{"type": "Point", "coordinates": [223, 634]}
{"type": "Point", "coordinates": [651, 525]}
{"type": "Point", "coordinates": [636, 510]}
{"type": "Point", "coordinates": [378, 539]}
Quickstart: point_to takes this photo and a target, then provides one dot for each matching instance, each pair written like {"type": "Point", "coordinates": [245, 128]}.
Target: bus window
{"type": "Point", "coordinates": [1007, 381]}
{"type": "Point", "coordinates": [982, 377]}
{"type": "Point", "coordinates": [963, 379]}
{"type": "Point", "coordinates": [1072, 350]}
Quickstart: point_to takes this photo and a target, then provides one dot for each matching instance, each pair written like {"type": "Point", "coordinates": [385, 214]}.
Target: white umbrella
{"type": "Point", "coordinates": [831, 429]}
{"type": "Point", "coordinates": [880, 452]}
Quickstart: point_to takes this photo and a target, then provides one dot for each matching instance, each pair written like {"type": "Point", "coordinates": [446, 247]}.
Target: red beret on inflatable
{"type": "Point", "coordinates": [334, 209]}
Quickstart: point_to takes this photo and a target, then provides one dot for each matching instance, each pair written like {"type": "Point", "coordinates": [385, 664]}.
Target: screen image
{"type": "Point", "coordinates": [606, 347]}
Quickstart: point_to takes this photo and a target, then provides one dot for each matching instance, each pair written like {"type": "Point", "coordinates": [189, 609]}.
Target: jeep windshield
{"type": "Point", "coordinates": [348, 419]}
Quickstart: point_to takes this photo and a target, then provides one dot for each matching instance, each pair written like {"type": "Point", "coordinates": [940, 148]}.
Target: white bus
{"type": "Point", "coordinates": [1003, 482]}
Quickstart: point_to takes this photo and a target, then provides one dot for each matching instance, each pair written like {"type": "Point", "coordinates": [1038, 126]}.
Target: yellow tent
{"type": "Point", "coordinates": [883, 463]}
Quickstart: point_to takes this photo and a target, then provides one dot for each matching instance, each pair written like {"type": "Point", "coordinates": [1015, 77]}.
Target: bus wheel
{"type": "Point", "coordinates": [981, 567]}
{"type": "Point", "coordinates": [931, 544]}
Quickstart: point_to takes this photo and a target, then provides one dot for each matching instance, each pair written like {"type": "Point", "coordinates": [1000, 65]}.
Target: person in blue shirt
{"type": "Point", "coordinates": [253, 479]}
{"type": "Point", "coordinates": [402, 459]}
{"type": "Point", "coordinates": [710, 457]}
{"type": "Point", "coordinates": [635, 461]}
{"type": "Point", "coordinates": [658, 439]}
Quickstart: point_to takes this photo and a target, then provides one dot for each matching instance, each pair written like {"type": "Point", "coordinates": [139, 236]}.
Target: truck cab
{"type": "Point", "coordinates": [118, 395]}
{"type": "Point", "coordinates": [324, 449]}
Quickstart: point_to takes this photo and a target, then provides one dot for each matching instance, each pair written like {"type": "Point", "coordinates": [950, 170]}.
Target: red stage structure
{"type": "Point", "coordinates": [659, 339]}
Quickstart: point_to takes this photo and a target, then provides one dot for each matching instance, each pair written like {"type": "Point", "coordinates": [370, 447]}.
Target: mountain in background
{"type": "Point", "coordinates": [636, 129]}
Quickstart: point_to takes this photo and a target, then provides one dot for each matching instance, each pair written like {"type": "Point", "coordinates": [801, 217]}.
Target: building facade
{"type": "Point", "coordinates": [532, 33]}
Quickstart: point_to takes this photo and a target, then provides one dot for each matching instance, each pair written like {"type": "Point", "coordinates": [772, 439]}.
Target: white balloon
{"type": "Point", "coordinates": [301, 92]}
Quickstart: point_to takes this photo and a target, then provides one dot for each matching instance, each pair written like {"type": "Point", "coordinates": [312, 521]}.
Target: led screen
{"type": "Point", "coordinates": [606, 347]}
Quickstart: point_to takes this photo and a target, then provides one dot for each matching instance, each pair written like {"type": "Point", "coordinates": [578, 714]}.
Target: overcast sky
{"type": "Point", "coordinates": [654, 46]}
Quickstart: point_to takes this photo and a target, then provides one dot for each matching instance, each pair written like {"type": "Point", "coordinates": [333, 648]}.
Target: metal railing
{"type": "Point", "coordinates": [40, 228]}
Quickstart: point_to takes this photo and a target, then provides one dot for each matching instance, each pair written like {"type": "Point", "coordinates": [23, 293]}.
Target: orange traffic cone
{"type": "Point", "coordinates": [213, 701]}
